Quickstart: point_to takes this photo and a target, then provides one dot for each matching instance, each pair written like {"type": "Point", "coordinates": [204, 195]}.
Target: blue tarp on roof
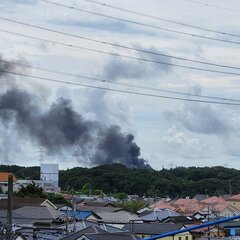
{"type": "Point", "coordinates": [79, 215]}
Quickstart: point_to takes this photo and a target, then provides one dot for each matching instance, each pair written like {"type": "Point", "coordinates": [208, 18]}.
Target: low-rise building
{"type": "Point", "coordinates": [153, 229]}
{"type": "Point", "coordinates": [4, 181]}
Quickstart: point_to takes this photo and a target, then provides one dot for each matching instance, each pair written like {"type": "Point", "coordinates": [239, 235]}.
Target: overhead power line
{"type": "Point", "coordinates": [121, 55]}
{"type": "Point", "coordinates": [141, 23]}
{"type": "Point", "coordinates": [115, 83]}
{"type": "Point", "coordinates": [213, 6]}
{"type": "Point", "coordinates": [118, 90]}
{"type": "Point", "coordinates": [161, 19]}
{"type": "Point", "coordinates": [118, 45]}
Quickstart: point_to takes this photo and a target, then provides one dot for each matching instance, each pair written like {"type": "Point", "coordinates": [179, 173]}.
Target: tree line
{"type": "Point", "coordinates": [116, 178]}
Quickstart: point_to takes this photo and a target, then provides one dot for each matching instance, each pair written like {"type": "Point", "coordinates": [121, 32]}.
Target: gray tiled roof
{"type": "Point", "coordinates": [91, 229]}
{"type": "Point", "coordinates": [110, 237]}
{"type": "Point", "coordinates": [118, 217]}
{"type": "Point", "coordinates": [159, 215]}
{"type": "Point", "coordinates": [3, 217]}
{"type": "Point", "coordinates": [98, 209]}
{"type": "Point", "coordinates": [21, 202]}
{"type": "Point", "coordinates": [42, 213]}
{"type": "Point", "coordinates": [151, 228]}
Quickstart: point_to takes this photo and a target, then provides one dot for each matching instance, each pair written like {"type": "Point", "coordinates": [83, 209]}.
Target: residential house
{"type": "Point", "coordinates": [213, 200]}
{"type": "Point", "coordinates": [220, 210]}
{"type": "Point", "coordinates": [212, 231]}
{"type": "Point", "coordinates": [159, 215]}
{"type": "Point", "coordinates": [144, 211]}
{"type": "Point", "coordinates": [76, 231]}
{"type": "Point", "coordinates": [30, 216]}
{"type": "Point", "coordinates": [182, 220]}
{"type": "Point", "coordinates": [94, 232]}
{"type": "Point", "coordinates": [108, 236]}
{"type": "Point", "coordinates": [111, 215]}
{"type": "Point", "coordinates": [231, 228]}
{"type": "Point", "coordinates": [234, 201]}
{"type": "Point", "coordinates": [91, 229]}
{"type": "Point", "coordinates": [163, 205]}
{"type": "Point", "coordinates": [79, 215]}
{"type": "Point", "coordinates": [184, 206]}
{"type": "Point", "coordinates": [22, 202]}
{"type": "Point", "coordinates": [200, 197]}
{"type": "Point", "coordinates": [4, 181]}
{"type": "Point", "coordinates": [154, 229]}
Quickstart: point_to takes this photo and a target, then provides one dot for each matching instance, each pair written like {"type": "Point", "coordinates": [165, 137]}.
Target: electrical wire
{"type": "Point", "coordinates": [121, 55]}
{"type": "Point", "coordinates": [214, 6]}
{"type": "Point", "coordinates": [118, 90]}
{"type": "Point", "coordinates": [161, 19]}
{"type": "Point", "coordinates": [120, 84]}
{"type": "Point", "coordinates": [140, 23]}
{"type": "Point", "coordinates": [118, 45]}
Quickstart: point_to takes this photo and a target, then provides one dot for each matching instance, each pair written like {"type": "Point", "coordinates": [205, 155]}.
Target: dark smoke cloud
{"type": "Point", "coordinates": [61, 128]}
{"type": "Point", "coordinates": [123, 148]}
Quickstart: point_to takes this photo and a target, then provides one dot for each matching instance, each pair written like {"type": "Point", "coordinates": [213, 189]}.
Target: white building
{"type": "Point", "coordinates": [47, 186]}
{"type": "Point", "coordinates": [50, 173]}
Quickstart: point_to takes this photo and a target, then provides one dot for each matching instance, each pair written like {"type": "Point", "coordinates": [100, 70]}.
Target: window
{"type": "Point", "coordinates": [179, 238]}
{"type": "Point", "coordinates": [186, 238]}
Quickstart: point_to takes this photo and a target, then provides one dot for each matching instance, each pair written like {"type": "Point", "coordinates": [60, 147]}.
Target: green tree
{"type": "Point", "coordinates": [31, 190]}
{"type": "Point", "coordinates": [132, 206]}
{"type": "Point", "coordinates": [56, 198]}
{"type": "Point", "coordinates": [87, 189]}
{"type": "Point", "coordinates": [120, 196]}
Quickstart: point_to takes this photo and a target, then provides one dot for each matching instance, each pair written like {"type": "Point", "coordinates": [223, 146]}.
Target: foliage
{"type": "Point", "coordinates": [32, 191]}
{"type": "Point", "coordinates": [132, 206]}
{"type": "Point", "coordinates": [120, 196]}
{"type": "Point", "coordinates": [86, 189]}
{"type": "Point", "coordinates": [31, 173]}
{"type": "Point", "coordinates": [56, 198]}
{"type": "Point", "coordinates": [116, 178]}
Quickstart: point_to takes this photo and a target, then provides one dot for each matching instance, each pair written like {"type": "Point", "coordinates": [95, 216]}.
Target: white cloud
{"type": "Point", "coordinates": [191, 131]}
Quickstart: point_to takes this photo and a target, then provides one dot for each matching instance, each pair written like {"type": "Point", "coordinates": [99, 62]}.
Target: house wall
{"type": "Point", "coordinates": [181, 236]}
{"type": "Point", "coordinates": [236, 204]}
{"type": "Point", "coordinates": [4, 186]}
{"type": "Point", "coordinates": [227, 212]}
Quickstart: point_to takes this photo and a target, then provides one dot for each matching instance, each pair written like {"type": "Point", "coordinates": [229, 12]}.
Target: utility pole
{"type": "Point", "coordinates": [10, 208]}
{"type": "Point", "coordinates": [230, 187]}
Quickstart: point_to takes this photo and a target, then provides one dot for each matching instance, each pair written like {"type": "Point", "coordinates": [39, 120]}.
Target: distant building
{"type": "Point", "coordinates": [47, 186]}
{"type": "Point", "coordinates": [4, 181]}
{"type": "Point", "coordinates": [50, 173]}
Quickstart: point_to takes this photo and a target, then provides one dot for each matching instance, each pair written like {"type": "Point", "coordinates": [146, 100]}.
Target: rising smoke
{"type": "Point", "coordinates": [60, 128]}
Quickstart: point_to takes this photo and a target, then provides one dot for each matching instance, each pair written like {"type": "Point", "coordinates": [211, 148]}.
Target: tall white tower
{"type": "Point", "coordinates": [50, 172]}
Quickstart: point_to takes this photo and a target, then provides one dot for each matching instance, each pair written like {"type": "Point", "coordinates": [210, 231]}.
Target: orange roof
{"type": "Point", "coordinates": [190, 208]}
{"type": "Point", "coordinates": [213, 200]}
{"type": "Point", "coordinates": [163, 205]}
{"type": "Point", "coordinates": [184, 201]}
{"type": "Point", "coordinates": [219, 207]}
{"type": "Point", "coordinates": [234, 198]}
{"type": "Point", "coordinates": [4, 177]}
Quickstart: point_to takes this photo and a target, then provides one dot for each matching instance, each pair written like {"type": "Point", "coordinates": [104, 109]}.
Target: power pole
{"type": "Point", "coordinates": [10, 208]}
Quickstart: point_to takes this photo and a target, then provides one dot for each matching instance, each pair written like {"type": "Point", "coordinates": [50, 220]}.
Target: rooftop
{"type": "Point", "coordinates": [4, 177]}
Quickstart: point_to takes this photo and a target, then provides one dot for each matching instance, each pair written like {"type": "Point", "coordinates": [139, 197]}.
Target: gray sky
{"type": "Point", "coordinates": [169, 132]}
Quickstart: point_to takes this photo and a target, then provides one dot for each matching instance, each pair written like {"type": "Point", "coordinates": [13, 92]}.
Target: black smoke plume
{"type": "Point", "coordinates": [61, 128]}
